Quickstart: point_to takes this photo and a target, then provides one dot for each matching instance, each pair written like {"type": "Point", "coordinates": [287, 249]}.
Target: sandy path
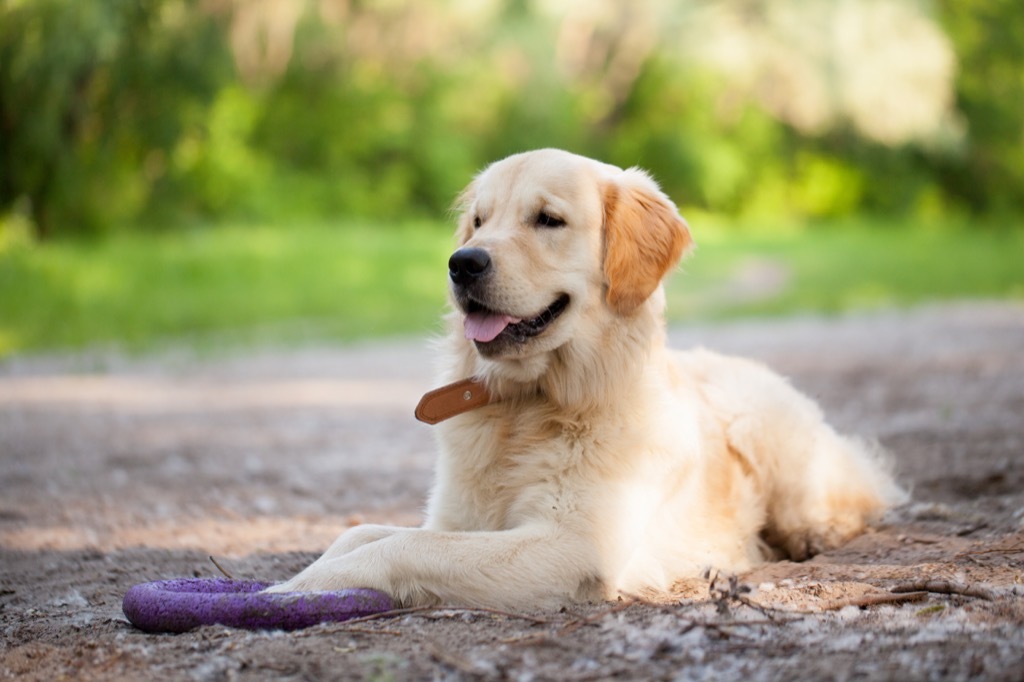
{"type": "Point", "coordinates": [115, 471]}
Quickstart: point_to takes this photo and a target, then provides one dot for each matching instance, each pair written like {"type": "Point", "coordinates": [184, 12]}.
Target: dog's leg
{"type": "Point", "coordinates": [845, 487]}
{"type": "Point", "coordinates": [357, 536]}
{"type": "Point", "coordinates": [354, 537]}
{"type": "Point", "coordinates": [528, 566]}
{"type": "Point", "coordinates": [820, 488]}
{"type": "Point", "coordinates": [824, 488]}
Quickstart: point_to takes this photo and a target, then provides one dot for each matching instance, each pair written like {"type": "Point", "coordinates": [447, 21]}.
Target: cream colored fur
{"type": "Point", "coordinates": [608, 463]}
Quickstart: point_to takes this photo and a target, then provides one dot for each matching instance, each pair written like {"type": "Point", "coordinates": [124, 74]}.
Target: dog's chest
{"type": "Point", "coordinates": [504, 469]}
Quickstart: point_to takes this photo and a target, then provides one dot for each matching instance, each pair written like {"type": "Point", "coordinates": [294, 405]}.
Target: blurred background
{"type": "Point", "coordinates": [239, 171]}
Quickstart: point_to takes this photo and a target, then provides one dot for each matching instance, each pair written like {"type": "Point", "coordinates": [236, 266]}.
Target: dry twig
{"type": "Point", "coordinates": [946, 587]}
{"type": "Point", "coordinates": [367, 631]}
{"type": "Point", "coordinates": [393, 613]}
{"type": "Point", "coordinates": [221, 569]}
{"type": "Point", "coordinates": [343, 626]}
{"type": "Point", "coordinates": [874, 600]}
{"type": "Point", "coordinates": [991, 550]}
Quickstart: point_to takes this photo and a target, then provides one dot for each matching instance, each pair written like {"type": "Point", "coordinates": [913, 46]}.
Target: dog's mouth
{"type": "Point", "coordinates": [485, 326]}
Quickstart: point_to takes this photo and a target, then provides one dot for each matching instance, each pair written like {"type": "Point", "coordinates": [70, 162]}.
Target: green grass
{"type": "Point", "coordinates": [844, 266]}
{"type": "Point", "coordinates": [233, 285]}
{"type": "Point", "coordinates": [225, 285]}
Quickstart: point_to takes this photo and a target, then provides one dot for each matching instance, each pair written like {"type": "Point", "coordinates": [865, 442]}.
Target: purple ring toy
{"type": "Point", "coordinates": [187, 603]}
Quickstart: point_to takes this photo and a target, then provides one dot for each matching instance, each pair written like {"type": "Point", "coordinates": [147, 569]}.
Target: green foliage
{"type": "Point", "coordinates": [94, 97]}
{"type": "Point", "coordinates": [989, 37]}
{"type": "Point", "coordinates": [119, 114]}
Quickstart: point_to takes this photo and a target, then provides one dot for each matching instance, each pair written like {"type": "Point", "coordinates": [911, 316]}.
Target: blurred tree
{"type": "Point", "coordinates": [117, 112]}
{"type": "Point", "coordinates": [94, 96]}
{"type": "Point", "coordinates": [989, 39]}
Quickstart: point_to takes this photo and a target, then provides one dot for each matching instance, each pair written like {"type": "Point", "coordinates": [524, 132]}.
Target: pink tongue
{"type": "Point", "coordinates": [485, 327]}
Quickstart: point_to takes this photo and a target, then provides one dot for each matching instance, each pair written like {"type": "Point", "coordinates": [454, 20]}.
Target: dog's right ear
{"type": "Point", "coordinates": [644, 237]}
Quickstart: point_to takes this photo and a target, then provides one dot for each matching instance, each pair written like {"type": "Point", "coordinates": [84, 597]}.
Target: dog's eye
{"type": "Point", "coordinates": [545, 220]}
{"type": "Point", "coordinates": [477, 222]}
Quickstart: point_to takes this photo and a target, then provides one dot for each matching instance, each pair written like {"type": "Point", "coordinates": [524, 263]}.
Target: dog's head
{"type": "Point", "coordinates": [551, 243]}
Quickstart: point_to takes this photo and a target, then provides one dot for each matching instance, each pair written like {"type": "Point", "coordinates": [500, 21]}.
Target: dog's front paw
{"type": "Point", "coordinates": [342, 573]}
{"type": "Point", "coordinates": [281, 588]}
{"type": "Point", "coordinates": [310, 581]}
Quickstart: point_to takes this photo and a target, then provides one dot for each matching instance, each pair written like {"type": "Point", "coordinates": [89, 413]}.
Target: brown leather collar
{"type": "Point", "coordinates": [453, 399]}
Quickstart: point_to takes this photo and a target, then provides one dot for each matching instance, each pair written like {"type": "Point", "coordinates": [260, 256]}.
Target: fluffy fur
{"type": "Point", "coordinates": [606, 463]}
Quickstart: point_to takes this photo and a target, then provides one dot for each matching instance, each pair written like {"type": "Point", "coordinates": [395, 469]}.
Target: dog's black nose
{"type": "Point", "coordinates": [468, 264]}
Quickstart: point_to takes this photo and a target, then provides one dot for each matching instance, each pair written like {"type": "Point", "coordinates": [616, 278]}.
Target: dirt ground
{"type": "Point", "coordinates": [116, 471]}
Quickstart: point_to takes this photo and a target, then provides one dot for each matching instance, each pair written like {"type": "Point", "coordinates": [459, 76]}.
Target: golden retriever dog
{"type": "Point", "coordinates": [595, 461]}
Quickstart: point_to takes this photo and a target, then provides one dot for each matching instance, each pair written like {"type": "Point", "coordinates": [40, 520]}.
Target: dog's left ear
{"type": "Point", "coordinates": [644, 237]}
